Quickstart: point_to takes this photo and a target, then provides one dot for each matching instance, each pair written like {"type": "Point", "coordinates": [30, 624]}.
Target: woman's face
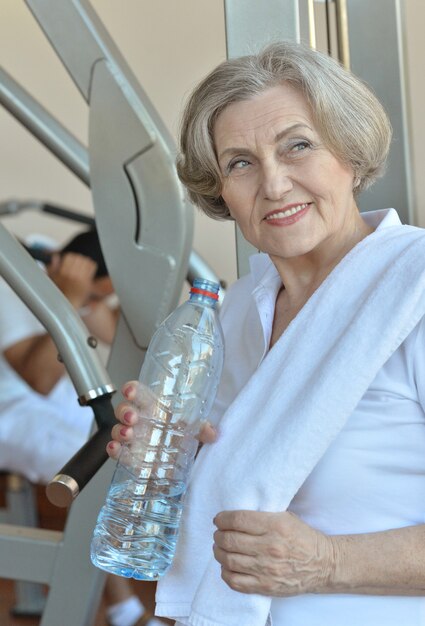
{"type": "Point", "coordinates": [289, 195]}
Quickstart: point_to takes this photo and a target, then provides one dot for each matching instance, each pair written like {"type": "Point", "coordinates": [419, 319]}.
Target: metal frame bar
{"type": "Point", "coordinates": [68, 149]}
{"type": "Point", "coordinates": [342, 33]}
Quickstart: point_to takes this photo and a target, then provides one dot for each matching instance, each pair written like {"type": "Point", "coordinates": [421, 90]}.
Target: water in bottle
{"type": "Point", "coordinates": [137, 528]}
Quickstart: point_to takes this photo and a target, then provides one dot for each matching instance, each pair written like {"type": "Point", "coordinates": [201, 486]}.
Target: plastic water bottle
{"type": "Point", "coordinates": [137, 528]}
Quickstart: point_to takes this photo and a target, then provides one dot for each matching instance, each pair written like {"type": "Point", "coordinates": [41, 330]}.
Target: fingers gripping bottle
{"type": "Point", "coordinates": [137, 528]}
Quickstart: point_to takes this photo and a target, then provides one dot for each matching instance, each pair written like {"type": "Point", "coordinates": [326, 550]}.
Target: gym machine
{"type": "Point", "coordinates": [141, 209]}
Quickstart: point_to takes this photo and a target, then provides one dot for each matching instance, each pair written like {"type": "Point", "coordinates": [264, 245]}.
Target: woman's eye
{"type": "Point", "coordinates": [299, 146]}
{"type": "Point", "coordinates": [238, 164]}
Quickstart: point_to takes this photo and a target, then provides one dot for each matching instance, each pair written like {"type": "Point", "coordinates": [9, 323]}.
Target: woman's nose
{"type": "Point", "coordinates": [276, 181]}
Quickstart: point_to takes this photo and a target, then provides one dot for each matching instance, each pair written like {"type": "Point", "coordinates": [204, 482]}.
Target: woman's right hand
{"type": "Point", "coordinates": [137, 398]}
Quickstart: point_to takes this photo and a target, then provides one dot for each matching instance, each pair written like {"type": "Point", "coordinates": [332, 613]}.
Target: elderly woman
{"type": "Point", "coordinates": [308, 510]}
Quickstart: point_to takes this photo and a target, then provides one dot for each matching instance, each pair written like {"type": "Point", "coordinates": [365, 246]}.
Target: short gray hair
{"type": "Point", "coordinates": [351, 121]}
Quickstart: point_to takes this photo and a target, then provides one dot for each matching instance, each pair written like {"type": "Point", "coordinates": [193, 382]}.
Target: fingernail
{"type": "Point", "coordinates": [111, 445]}
{"type": "Point", "coordinates": [127, 390]}
{"type": "Point", "coordinates": [127, 416]}
{"type": "Point", "coordinates": [123, 431]}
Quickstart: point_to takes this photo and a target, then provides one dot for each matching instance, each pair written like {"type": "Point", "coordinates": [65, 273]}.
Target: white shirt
{"type": "Point", "coordinates": [38, 434]}
{"type": "Point", "coordinates": [371, 478]}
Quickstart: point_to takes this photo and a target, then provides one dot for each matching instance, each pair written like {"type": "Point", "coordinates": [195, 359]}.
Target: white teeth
{"type": "Point", "coordinates": [288, 213]}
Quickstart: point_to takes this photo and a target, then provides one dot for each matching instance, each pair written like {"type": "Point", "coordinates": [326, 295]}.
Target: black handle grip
{"type": "Point", "coordinates": [75, 216]}
{"type": "Point", "coordinates": [75, 475]}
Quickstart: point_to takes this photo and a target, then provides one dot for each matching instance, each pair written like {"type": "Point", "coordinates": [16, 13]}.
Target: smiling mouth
{"type": "Point", "coordinates": [288, 213]}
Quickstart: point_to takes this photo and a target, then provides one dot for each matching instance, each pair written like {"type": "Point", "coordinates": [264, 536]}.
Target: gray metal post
{"type": "Point", "coordinates": [30, 598]}
{"type": "Point", "coordinates": [377, 56]}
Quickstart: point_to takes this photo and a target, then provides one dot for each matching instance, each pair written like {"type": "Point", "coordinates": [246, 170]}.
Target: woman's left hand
{"type": "Point", "coordinates": [273, 554]}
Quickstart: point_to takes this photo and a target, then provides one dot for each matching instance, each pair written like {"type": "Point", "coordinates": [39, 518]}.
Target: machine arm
{"type": "Point", "coordinates": [144, 221]}
{"type": "Point", "coordinates": [44, 126]}
{"type": "Point", "coordinates": [77, 348]}
{"type": "Point", "coordinates": [70, 151]}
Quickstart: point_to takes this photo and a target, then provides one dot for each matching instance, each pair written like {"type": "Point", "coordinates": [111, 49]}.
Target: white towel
{"type": "Point", "coordinates": [282, 422]}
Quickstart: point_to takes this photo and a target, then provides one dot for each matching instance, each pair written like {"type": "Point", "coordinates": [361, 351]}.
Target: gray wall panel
{"type": "Point", "coordinates": [376, 49]}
